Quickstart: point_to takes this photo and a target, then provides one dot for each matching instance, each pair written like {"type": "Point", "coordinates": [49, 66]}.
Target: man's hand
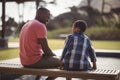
{"type": "Point", "coordinates": [44, 44]}
{"type": "Point", "coordinates": [50, 54]}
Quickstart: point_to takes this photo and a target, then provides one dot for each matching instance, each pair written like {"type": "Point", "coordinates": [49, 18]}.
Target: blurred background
{"type": "Point", "coordinates": [102, 16]}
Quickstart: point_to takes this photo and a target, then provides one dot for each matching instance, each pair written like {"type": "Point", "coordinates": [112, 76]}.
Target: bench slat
{"type": "Point", "coordinates": [94, 74]}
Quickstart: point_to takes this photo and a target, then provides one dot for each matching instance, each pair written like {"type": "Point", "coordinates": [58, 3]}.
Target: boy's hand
{"type": "Point", "coordinates": [61, 66]}
{"type": "Point", "coordinates": [94, 65]}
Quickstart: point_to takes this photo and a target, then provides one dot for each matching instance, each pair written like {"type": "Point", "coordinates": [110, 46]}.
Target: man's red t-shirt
{"type": "Point", "coordinates": [30, 50]}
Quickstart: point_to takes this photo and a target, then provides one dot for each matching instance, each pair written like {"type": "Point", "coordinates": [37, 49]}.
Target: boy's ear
{"type": "Point", "coordinates": [78, 29]}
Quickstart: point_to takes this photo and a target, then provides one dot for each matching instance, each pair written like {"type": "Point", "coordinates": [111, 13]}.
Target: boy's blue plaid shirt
{"type": "Point", "coordinates": [76, 51]}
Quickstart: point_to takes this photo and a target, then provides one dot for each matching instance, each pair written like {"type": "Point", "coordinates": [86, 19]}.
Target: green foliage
{"type": "Point", "coordinates": [103, 33]}
{"type": "Point", "coordinates": [117, 25]}
{"type": "Point", "coordinates": [57, 32]}
{"type": "Point", "coordinates": [94, 33]}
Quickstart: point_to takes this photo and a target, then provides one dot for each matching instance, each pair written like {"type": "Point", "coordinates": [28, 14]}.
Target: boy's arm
{"type": "Point", "coordinates": [92, 55]}
{"type": "Point", "coordinates": [94, 65]}
{"type": "Point", "coordinates": [64, 49]}
{"type": "Point", "coordinates": [61, 66]}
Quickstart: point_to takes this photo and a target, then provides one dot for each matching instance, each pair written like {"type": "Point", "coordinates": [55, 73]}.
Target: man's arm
{"type": "Point", "coordinates": [44, 44]}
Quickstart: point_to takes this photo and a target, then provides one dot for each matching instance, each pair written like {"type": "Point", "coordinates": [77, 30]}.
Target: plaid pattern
{"type": "Point", "coordinates": [76, 51]}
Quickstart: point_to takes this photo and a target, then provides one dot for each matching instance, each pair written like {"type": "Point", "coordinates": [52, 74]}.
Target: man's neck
{"type": "Point", "coordinates": [40, 21]}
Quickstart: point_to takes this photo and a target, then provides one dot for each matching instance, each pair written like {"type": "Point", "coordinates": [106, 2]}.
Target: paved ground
{"type": "Point", "coordinates": [13, 44]}
{"type": "Point", "coordinates": [102, 62]}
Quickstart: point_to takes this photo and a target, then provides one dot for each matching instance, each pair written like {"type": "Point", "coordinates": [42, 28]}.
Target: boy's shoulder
{"type": "Point", "coordinates": [86, 36]}
{"type": "Point", "coordinates": [71, 35]}
{"type": "Point", "coordinates": [74, 35]}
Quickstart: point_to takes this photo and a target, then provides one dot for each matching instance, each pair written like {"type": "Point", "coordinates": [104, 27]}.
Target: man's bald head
{"type": "Point", "coordinates": [43, 15]}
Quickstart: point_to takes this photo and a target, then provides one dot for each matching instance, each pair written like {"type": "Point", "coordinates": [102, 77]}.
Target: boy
{"type": "Point", "coordinates": [77, 49]}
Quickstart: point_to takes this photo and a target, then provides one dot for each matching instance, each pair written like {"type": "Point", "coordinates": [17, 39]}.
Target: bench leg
{"type": "Point", "coordinates": [37, 77]}
{"type": "Point", "coordinates": [1, 76]}
{"type": "Point", "coordinates": [51, 78]}
{"type": "Point", "coordinates": [67, 78]}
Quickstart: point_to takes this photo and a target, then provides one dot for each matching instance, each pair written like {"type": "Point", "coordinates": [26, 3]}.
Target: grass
{"type": "Point", "coordinates": [9, 53]}
{"type": "Point", "coordinates": [13, 40]}
{"type": "Point", "coordinates": [58, 44]}
{"type": "Point", "coordinates": [97, 44]}
{"type": "Point", "coordinates": [110, 45]}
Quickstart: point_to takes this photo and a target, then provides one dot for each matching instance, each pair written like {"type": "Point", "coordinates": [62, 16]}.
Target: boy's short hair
{"type": "Point", "coordinates": [80, 24]}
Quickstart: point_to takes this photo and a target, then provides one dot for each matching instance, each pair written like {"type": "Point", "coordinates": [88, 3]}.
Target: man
{"type": "Point", "coordinates": [34, 49]}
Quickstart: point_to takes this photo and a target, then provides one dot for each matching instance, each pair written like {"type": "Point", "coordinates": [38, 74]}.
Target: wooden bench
{"type": "Point", "coordinates": [99, 74]}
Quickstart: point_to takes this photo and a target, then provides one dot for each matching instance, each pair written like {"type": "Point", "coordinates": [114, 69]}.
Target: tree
{"type": "Point", "coordinates": [102, 11]}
